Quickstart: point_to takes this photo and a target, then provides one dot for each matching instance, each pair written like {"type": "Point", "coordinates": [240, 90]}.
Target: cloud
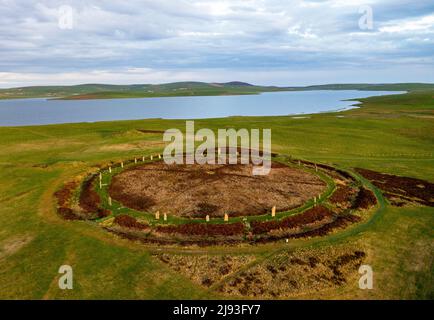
{"type": "Point", "coordinates": [190, 36]}
{"type": "Point", "coordinates": [423, 25]}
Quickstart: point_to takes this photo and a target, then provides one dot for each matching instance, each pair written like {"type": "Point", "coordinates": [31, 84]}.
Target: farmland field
{"type": "Point", "coordinates": [388, 134]}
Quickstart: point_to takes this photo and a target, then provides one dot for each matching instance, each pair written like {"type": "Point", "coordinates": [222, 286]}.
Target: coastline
{"type": "Point", "coordinates": [358, 103]}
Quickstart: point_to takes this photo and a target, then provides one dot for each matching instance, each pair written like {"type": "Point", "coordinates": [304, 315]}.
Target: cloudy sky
{"type": "Point", "coordinates": [280, 42]}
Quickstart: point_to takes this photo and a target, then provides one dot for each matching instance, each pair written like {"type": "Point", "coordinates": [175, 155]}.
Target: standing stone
{"type": "Point", "coordinates": [135, 160]}
{"type": "Point", "coordinates": [207, 218]}
{"type": "Point", "coordinates": [316, 168]}
{"type": "Point", "coordinates": [143, 159]}
{"type": "Point", "coordinates": [165, 217]}
{"type": "Point", "coordinates": [110, 201]}
{"type": "Point", "coordinates": [152, 157]}
{"type": "Point", "coordinates": [226, 217]}
{"type": "Point", "coordinates": [273, 211]}
{"type": "Point", "coordinates": [122, 164]}
{"type": "Point", "coordinates": [157, 215]}
{"type": "Point", "coordinates": [159, 156]}
{"type": "Point", "coordinates": [110, 169]}
{"type": "Point", "coordinates": [299, 163]}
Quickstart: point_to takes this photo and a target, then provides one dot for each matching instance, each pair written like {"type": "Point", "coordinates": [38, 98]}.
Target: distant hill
{"type": "Point", "coordinates": [101, 91]}
{"type": "Point", "coordinates": [372, 87]}
{"type": "Point", "coordinates": [238, 83]}
{"type": "Point", "coordinates": [187, 88]}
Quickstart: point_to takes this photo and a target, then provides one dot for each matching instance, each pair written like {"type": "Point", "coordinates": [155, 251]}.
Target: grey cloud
{"type": "Point", "coordinates": [192, 34]}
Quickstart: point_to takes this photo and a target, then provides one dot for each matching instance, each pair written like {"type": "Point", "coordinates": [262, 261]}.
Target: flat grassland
{"type": "Point", "coordinates": [391, 134]}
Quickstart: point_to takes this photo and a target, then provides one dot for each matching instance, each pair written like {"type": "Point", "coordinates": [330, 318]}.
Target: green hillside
{"type": "Point", "coordinates": [107, 91]}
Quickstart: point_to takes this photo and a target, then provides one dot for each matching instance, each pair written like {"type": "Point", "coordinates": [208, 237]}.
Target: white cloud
{"type": "Point", "coordinates": [212, 35]}
{"type": "Point", "coordinates": [297, 30]}
{"type": "Point", "coordinates": [420, 24]}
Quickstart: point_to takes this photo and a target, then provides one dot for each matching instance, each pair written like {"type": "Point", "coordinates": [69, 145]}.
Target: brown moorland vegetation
{"type": "Point", "coordinates": [365, 199]}
{"type": "Point", "coordinates": [409, 189]}
{"type": "Point", "coordinates": [343, 194]}
{"type": "Point", "coordinates": [127, 221]}
{"type": "Point", "coordinates": [340, 222]}
{"type": "Point", "coordinates": [203, 229]}
{"type": "Point", "coordinates": [194, 191]}
{"type": "Point", "coordinates": [288, 274]}
{"type": "Point", "coordinates": [63, 197]}
{"type": "Point", "coordinates": [205, 270]}
{"type": "Point", "coordinates": [90, 201]}
{"type": "Point", "coordinates": [312, 215]}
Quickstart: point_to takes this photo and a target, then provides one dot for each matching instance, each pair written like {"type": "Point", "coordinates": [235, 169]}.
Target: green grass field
{"type": "Point", "coordinates": [106, 91]}
{"type": "Point", "coordinates": [393, 134]}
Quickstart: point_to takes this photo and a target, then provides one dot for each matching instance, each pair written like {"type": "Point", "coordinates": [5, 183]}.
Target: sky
{"type": "Point", "coordinates": [267, 42]}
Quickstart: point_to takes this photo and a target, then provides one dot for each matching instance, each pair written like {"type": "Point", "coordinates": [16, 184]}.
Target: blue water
{"type": "Point", "coordinates": [43, 111]}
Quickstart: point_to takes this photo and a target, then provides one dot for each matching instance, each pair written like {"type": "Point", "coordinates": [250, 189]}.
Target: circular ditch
{"type": "Point", "coordinates": [311, 200]}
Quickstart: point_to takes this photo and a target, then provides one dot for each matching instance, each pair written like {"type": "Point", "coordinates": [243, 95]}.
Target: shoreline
{"type": "Point", "coordinates": [358, 103]}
